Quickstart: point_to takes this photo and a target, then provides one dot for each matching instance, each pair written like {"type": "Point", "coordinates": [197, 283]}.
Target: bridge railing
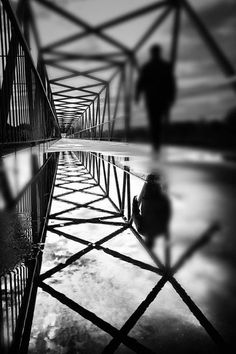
{"type": "Point", "coordinates": [27, 110]}
{"type": "Point", "coordinates": [28, 126]}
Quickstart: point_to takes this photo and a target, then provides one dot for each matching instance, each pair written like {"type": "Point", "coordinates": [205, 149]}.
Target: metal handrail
{"type": "Point", "coordinates": [7, 6]}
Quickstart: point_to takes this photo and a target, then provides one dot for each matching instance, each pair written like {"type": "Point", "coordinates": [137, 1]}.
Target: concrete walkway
{"type": "Point", "coordinates": [105, 147]}
{"type": "Point", "coordinates": [100, 291]}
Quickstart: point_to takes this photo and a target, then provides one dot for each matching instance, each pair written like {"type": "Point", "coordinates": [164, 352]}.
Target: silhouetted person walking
{"type": "Point", "coordinates": [157, 82]}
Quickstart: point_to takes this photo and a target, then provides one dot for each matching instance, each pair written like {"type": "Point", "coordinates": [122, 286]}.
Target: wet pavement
{"type": "Point", "coordinates": [100, 290]}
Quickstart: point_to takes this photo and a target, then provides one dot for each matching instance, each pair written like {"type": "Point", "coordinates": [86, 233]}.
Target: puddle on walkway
{"type": "Point", "coordinates": [77, 276]}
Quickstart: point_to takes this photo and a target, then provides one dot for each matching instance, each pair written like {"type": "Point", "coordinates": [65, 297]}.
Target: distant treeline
{"type": "Point", "coordinates": [212, 134]}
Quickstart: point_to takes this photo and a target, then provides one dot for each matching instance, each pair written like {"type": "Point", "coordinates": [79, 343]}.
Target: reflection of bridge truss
{"type": "Point", "coordinates": [17, 287]}
{"type": "Point", "coordinates": [86, 110]}
{"type": "Point", "coordinates": [88, 174]}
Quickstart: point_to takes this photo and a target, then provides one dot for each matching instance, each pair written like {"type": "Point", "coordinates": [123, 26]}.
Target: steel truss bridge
{"type": "Point", "coordinates": [35, 111]}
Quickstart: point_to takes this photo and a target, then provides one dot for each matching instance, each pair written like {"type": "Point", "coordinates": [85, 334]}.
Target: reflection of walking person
{"type": "Point", "coordinates": [157, 82]}
{"type": "Point", "coordinates": [153, 220]}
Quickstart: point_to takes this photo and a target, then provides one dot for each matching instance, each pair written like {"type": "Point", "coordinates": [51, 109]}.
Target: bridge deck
{"type": "Point", "coordinates": [97, 278]}
{"type": "Point", "coordinates": [105, 147]}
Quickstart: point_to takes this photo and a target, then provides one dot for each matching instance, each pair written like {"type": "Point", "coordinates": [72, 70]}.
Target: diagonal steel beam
{"type": "Point", "coordinates": [152, 28]}
{"type": "Point", "coordinates": [111, 23]}
{"type": "Point", "coordinates": [75, 72]}
{"type": "Point", "coordinates": [78, 21]}
{"type": "Point", "coordinates": [217, 52]}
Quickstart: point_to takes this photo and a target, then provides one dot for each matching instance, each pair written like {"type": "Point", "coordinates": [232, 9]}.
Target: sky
{"type": "Point", "coordinates": [203, 90]}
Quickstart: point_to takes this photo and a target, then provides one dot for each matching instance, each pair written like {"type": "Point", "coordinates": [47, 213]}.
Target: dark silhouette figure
{"type": "Point", "coordinates": [157, 82]}
{"type": "Point", "coordinates": [153, 220]}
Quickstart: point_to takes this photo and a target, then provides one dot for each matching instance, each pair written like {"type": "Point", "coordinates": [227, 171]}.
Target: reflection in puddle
{"type": "Point", "coordinates": [84, 265]}
{"type": "Point", "coordinates": [16, 239]}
